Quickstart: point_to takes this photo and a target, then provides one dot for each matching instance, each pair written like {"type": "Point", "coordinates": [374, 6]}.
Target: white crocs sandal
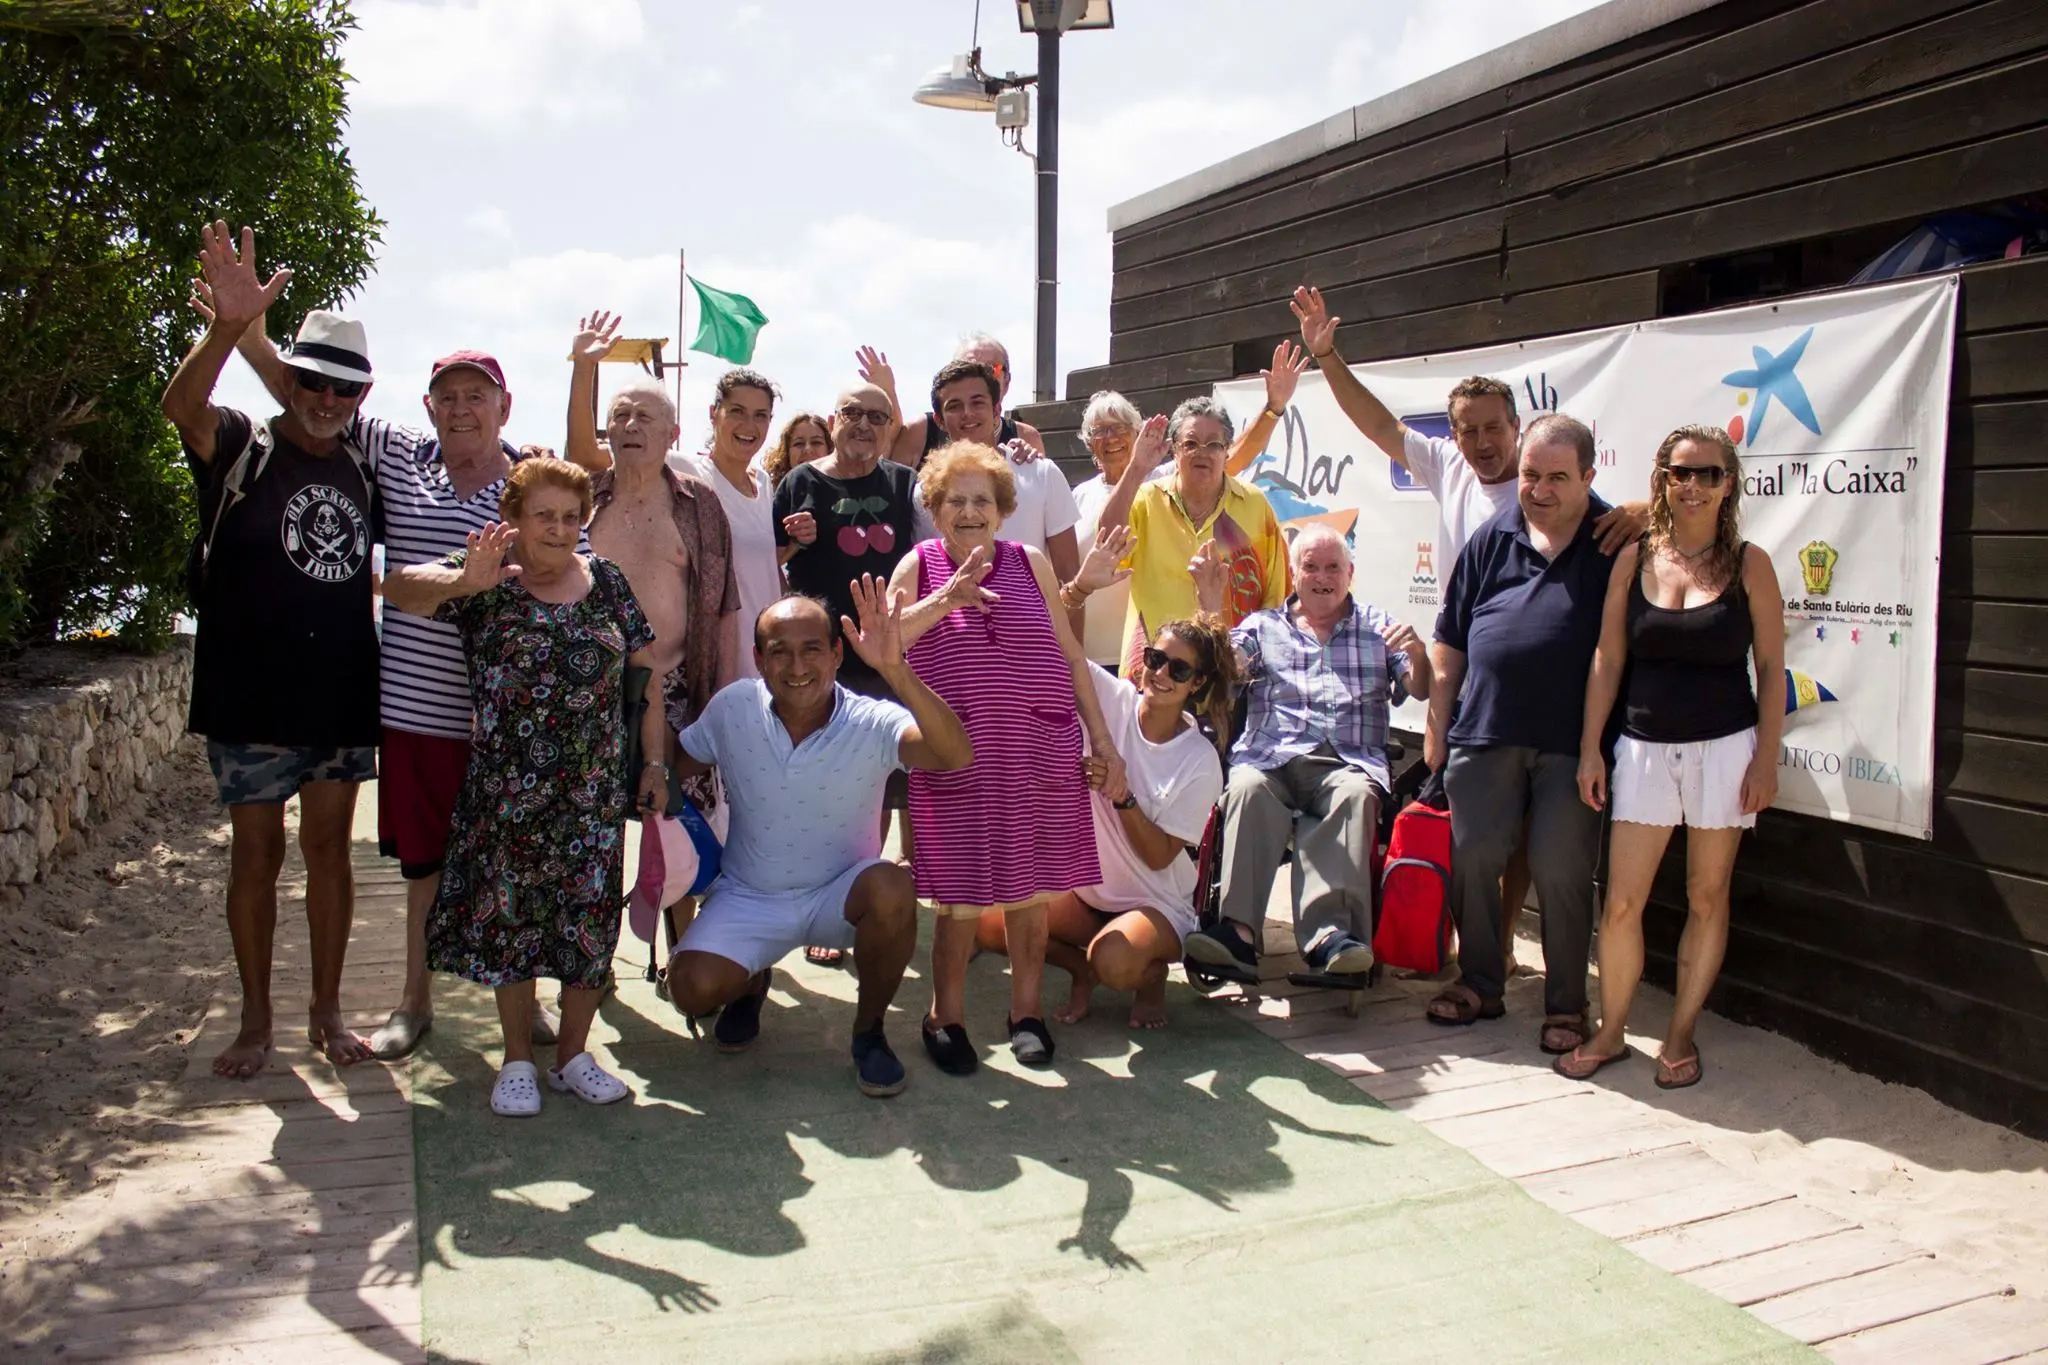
{"type": "Point", "coordinates": [590, 1082]}
{"type": "Point", "coordinates": [517, 1093]}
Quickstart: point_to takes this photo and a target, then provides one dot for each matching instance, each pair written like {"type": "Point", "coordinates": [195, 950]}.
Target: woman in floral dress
{"type": "Point", "coordinates": [536, 858]}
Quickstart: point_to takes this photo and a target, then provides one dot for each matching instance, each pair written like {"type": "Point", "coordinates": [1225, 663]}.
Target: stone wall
{"type": "Point", "coordinates": [82, 729]}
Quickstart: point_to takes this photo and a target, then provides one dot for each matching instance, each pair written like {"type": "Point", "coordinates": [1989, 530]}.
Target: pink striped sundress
{"type": "Point", "coordinates": [1015, 823]}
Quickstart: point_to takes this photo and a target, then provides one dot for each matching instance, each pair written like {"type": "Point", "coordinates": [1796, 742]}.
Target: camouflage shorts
{"type": "Point", "coordinates": [263, 774]}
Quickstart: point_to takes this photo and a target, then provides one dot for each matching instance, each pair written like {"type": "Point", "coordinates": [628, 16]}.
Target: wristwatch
{"type": "Point", "coordinates": [1275, 415]}
{"type": "Point", "coordinates": [1128, 803]}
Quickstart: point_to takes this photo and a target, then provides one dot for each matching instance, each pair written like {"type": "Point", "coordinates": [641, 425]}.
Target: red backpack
{"type": "Point", "coordinates": [1414, 929]}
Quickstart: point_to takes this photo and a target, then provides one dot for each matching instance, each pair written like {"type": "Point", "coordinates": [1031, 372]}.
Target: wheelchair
{"type": "Point", "coordinates": [1408, 777]}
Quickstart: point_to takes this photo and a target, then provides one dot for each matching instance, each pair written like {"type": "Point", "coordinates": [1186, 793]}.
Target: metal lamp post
{"type": "Point", "coordinates": [966, 86]}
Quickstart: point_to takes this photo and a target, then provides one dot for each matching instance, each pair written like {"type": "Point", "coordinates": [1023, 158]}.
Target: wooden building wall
{"type": "Point", "coordinates": [1757, 147]}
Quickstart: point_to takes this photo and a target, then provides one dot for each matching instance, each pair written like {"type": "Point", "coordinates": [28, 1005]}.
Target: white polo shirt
{"type": "Point", "coordinates": [801, 814]}
{"type": "Point", "coordinates": [1463, 504]}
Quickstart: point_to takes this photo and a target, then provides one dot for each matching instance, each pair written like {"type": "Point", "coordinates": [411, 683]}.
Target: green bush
{"type": "Point", "coordinates": [123, 128]}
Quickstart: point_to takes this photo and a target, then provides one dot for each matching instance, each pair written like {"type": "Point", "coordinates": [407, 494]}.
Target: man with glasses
{"type": "Point", "coordinates": [1171, 519]}
{"type": "Point", "coordinates": [284, 677]}
{"type": "Point", "coordinates": [1322, 672]}
{"type": "Point", "coordinates": [435, 489]}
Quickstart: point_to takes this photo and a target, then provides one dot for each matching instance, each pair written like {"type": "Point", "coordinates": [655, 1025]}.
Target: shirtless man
{"type": "Point", "coordinates": [669, 534]}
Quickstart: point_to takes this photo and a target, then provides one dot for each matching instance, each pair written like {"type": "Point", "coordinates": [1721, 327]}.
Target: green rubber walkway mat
{"type": "Point", "coordinates": [1198, 1193]}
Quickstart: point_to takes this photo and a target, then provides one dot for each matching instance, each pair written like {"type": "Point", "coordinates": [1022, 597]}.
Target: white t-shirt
{"type": "Point", "coordinates": [1103, 626]}
{"type": "Point", "coordinates": [1463, 504]}
{"type": "Point", "coordinates": [1177, 784]}
{"type": "Point", "coordinates": [754, 562]}
{"type": "Point", "coordinates": [1045, 505]}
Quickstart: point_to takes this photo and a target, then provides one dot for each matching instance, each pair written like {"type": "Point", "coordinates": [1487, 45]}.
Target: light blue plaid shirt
{"type": "Point", "coordinates": [1305, 694]}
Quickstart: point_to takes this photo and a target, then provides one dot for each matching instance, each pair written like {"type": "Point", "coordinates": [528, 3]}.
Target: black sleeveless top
{"type": "Point", "coordinates": [1688, 668]}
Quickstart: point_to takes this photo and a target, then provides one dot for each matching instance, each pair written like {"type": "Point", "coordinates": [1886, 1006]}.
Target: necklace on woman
{"type": "Point", "coordinates": [1692, 556]}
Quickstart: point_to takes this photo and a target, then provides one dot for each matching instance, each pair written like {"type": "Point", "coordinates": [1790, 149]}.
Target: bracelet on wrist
{"type": "Point", "coordinates": [1072, 595]}
{"type": "Point", "coordinates": [1322, 355]}
{"type": "Point", "coordinates": [1275, 413]}
{"type": "Point", "coordinates": [1128, 803]}
{"type": "Point", "coordinates": [650, 763]}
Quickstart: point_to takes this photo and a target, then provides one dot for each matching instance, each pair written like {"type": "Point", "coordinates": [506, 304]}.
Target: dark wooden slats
{"type": "Point", "coordinates": [2007, 364]}
{"type": "Point", "coordinates": [1982, 435]}
{"type": "Point", "coordinates": [1996, 168]}
{"type": "Point", "coordinates": [1992, 701]}
{"type": "Point", "coordinates": [2009, 568]}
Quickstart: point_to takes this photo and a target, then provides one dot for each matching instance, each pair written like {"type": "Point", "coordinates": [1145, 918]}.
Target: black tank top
{"type": "Point", "coordinates": [1688, 668]}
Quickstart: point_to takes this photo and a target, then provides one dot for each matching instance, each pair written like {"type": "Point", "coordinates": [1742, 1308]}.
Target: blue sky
{"type": "Point", "coordinates": [539, 158]}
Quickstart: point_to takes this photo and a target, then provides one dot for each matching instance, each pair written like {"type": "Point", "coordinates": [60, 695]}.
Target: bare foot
{"type": "Point", "coordinates": [339, 1043]}
{"type": "Point", "coordinates": [1078, 1001]}
{"type": "Point", "coordinates": [1148, 1010]}
{"type": "Point", "coordinates": [244, 1057]}
{"type": "Point", "coordinates": [824, 957]}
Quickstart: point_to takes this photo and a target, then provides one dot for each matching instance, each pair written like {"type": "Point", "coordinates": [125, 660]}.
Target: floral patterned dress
{"type": "Point", "coordinates": [536, 853]}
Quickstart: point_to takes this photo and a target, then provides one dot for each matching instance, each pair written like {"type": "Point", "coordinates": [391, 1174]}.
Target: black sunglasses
{"type": "Point", "coordinates": [313, 382]}
{"type": "Point", "coordinates": [1180, 670]}
{"type": "Point", "coordinates": [875, 417]}
{"type": "Point", "coordinates": [1706, 475]}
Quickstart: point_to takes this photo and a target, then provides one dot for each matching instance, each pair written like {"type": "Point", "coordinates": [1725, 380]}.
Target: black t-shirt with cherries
{"type": "Point", "coordinates": [865, 526]}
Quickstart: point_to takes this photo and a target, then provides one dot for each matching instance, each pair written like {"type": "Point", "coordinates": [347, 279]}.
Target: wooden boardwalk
{"type": "Point", "coordinates": [1635, 1172]}
{"type": "Point", "coordinates": [276, 1222]}
{"type": "Point", "coordinates": [280, 1222]}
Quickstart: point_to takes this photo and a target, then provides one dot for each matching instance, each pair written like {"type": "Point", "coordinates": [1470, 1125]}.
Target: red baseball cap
{"type": "Point", "coordinates": [487, 365]}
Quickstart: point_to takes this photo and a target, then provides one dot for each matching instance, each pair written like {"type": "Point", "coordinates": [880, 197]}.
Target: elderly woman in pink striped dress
{"type": "Point", "coordinates": [1013, 829]}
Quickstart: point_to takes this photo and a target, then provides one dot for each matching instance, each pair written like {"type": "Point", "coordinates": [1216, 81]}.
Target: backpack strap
{"type": "Point", "coordinates": [246, 469]}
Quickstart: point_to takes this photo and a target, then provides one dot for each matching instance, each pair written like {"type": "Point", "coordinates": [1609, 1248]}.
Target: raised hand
{"type": "Point", "coordinates": [878, 638]}
{"type": "Point", "coordinates": [595, 333]}
{"type": "Point", "coordinates": [1318, 328]}
{"type": "Point", "coordinates": [800, 527]}
{"type": "Point", "coordinates": [1099, 568]}
{"type": "Point", "coordinates": [1400, 635]}
{"type": "Point", "coordinates": [964, 588]}
{"type": "Point", "coordinates": [1211, 572]}
{"type": "Point", "coordinates": [1150, 448]}
{"type": "Point", "coordinates": [873, 368]}
{"type": "Point", "coordinates": [238, 296]}
{"type": "Point", "coordinates": [1289, 363]}
{"type": "Point", "coordinates": [484, 567]}
{"type": "Point", "coordinates": [201, 301]}
{"type": "Point", "coordinates": [1018, 450]}
{"type": "Point", "coordinates": [530, 451]}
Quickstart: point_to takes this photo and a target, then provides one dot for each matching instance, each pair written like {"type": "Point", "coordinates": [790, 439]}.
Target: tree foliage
{"type": "Point", "coordinates": [123, 128]}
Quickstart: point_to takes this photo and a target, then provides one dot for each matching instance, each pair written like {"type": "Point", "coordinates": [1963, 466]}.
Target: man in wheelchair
{"type": "Point", "coordinates": [1322, 672]}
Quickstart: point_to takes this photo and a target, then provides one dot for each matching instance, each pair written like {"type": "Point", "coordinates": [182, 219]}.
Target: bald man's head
{"type": "Point", "coordinates": [859, 418]}
{"type": "Point", "coordinates": [797, 652]}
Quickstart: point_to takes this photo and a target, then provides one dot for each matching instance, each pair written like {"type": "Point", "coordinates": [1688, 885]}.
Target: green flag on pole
{"type": "Point", "coordinates": [726, 323]}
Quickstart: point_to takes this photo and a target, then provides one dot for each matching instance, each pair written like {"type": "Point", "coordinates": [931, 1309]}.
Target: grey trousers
{"type": "Point", "coordinates": [1492, 791]}
{"type": "Point", "coordinates": [1330, 811]}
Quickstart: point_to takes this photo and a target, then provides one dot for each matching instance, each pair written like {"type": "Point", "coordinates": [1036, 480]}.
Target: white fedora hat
{"type": "Point", "coordinates": [333, 345]}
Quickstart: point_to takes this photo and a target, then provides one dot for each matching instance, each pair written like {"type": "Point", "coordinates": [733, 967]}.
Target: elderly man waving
{"type": "Point", "coordinates": [1323, 671]}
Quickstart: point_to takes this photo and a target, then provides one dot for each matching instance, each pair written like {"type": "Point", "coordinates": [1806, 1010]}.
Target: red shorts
{"type": "Point", "coordinates": [417, 783]}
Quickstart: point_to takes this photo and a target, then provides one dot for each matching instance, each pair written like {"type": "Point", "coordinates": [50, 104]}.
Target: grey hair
{"type": "Point", "coordinates": [1106, 407]}
{"type": "Point", "coordinates": [974, 339]}
{"type": "Point", "coordinates": [1202, 406]}
{"type": "Point", "coordinates": [1316, 533]}
{"type": "Point", "coordinates": [644, 386]}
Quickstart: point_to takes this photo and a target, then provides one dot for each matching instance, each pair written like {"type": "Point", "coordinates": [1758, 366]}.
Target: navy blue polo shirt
{"type": "Point", "coordinates": [1527, 626]}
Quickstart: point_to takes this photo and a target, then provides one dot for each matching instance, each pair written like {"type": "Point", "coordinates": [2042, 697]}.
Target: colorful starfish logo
{"type": "Point", "coordinates": [1773, 377]}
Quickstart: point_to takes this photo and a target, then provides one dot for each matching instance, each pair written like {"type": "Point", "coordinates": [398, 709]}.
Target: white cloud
{"type": "Point", "coordinates": [498, 62]}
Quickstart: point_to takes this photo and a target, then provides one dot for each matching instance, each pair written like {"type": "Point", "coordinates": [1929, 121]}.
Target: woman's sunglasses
{"type": "Point", "coordinates": [312, 382]}
{"type": "Point", "coordinates": [1180, 670]}
{"type": "Point", "coordinates": [1706, 475]}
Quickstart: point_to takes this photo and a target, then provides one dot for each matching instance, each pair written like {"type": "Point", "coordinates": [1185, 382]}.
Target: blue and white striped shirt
{"type": "Point", "coordinates": [425, 683]}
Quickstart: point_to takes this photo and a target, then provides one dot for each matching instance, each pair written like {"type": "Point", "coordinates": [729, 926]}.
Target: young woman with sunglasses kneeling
{"type": "Point", "coordinates": [1690, 608]}
{"type": "Point", "coordinates": [1124, 931]}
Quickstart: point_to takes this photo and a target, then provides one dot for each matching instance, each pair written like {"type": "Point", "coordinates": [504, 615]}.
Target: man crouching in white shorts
{"type": "Point", "coordinates": [804, 762]}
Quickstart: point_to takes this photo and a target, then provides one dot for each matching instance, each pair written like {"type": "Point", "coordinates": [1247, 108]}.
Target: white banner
{"type": "Point", "coordinates": [1839, 407]}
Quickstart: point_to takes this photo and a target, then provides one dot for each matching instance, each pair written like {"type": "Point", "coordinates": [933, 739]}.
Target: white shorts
{"type": "Point", "coordinates": [1697, 785]}
{"type": "Point", "coordinates": [757, 929]}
